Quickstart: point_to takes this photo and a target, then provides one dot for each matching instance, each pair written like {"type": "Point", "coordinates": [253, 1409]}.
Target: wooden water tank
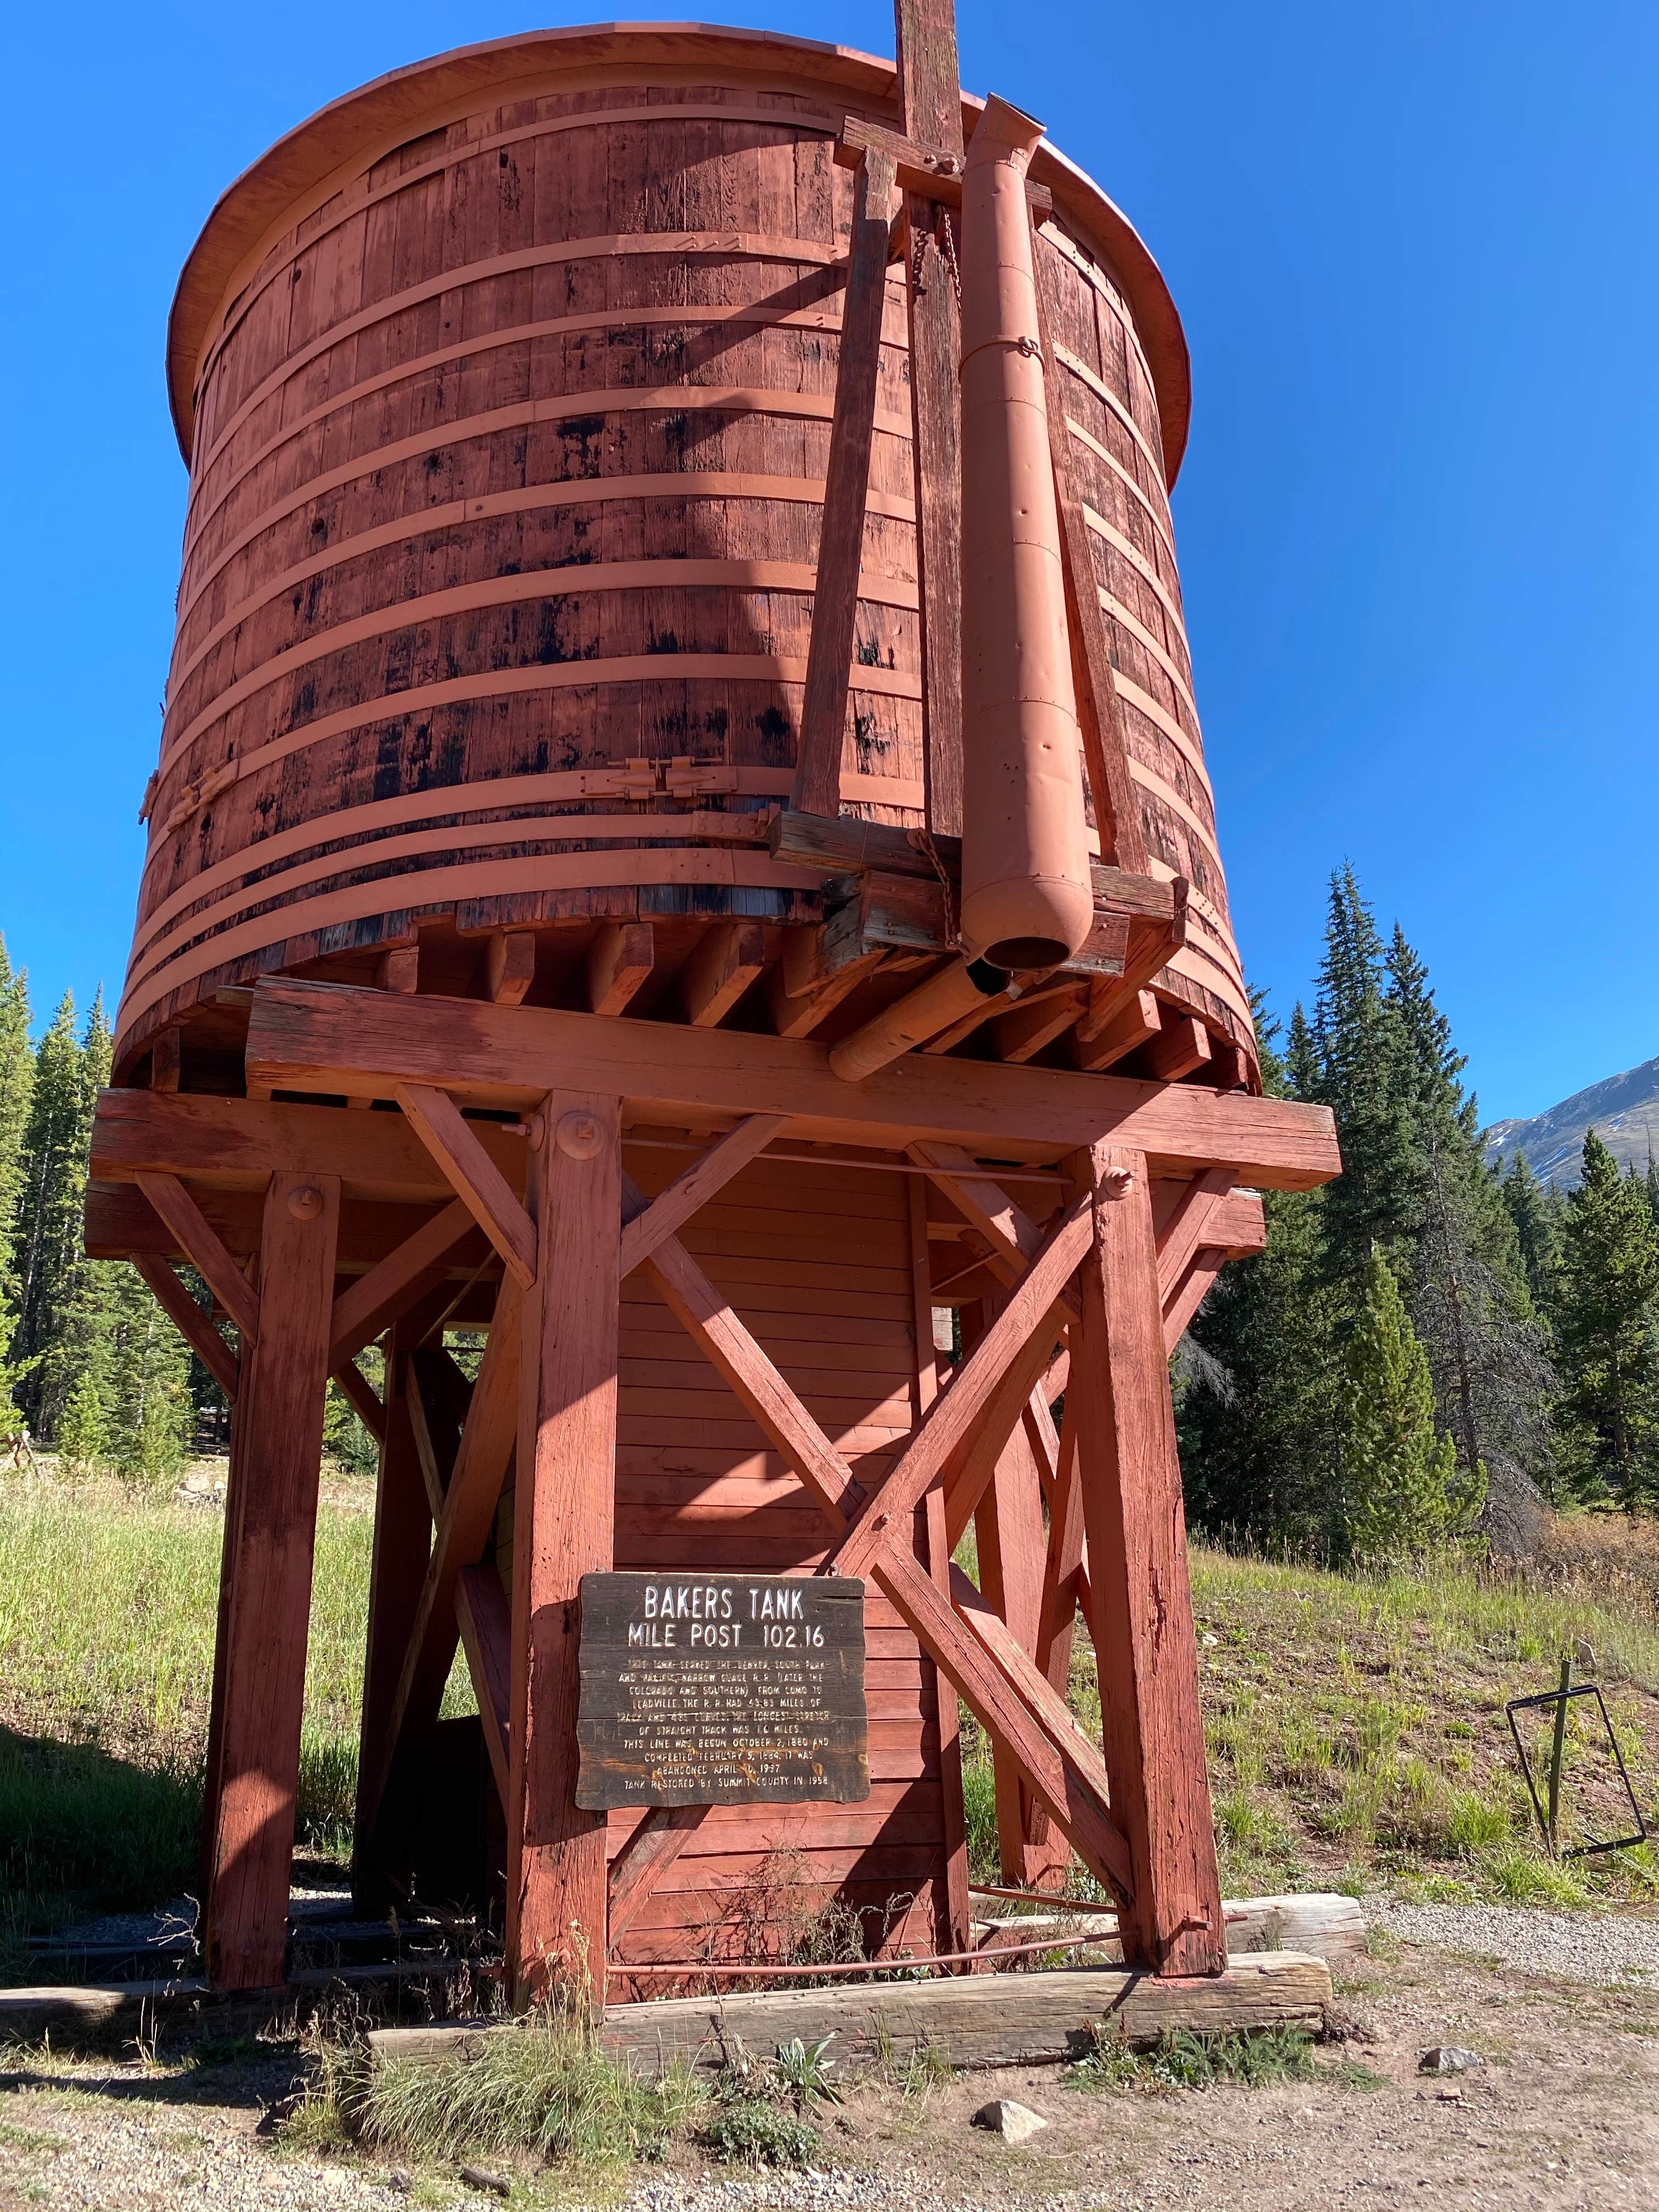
{"type": "Point", "coordinates": [505, 385]}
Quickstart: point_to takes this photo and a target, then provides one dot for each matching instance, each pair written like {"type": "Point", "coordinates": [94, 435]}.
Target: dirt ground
{"type": "Point", "coordinates": [1563, 2111]}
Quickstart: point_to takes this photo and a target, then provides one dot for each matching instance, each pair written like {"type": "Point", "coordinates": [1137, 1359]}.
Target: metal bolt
{"type": "Point", "coordinates": [305, 1203]}
{"type": "Point", "coordinates": [1118, 1182]}
{"type": "Point", "coordinates": [578, 1135]}
{"type": "Point", "coordinates": [534, 1130]}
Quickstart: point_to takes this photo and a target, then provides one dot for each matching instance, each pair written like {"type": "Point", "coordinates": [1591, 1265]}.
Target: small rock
{"type": "Point", "coordinates": [1015, 2124]}
{"type": "Point", "coordinates": [1448, 2058]}
{"type": "Point", "coordinates": [1452, 2096]}
{"type": "Point", "coordinates": [1209, 1641]}
{"type": "Point", "coordinates": [475, 2178]}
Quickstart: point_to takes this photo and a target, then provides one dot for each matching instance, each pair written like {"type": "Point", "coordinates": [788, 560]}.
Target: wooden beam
{"type": "Point", "coordinates": [1064, 1771]}
{"type": "Point", "coordinates": [619, 963]}
{"type": "Point", "coordinates": [563, 1501]}
{"type": "Point", "coordinates": [1181, 1307]}
{"type": "Point", "coordinates": [510, 965]}
{"type": "Point", "coordinates": [988, 2020]}
{"type": "Point", "coordinates": [1035, 1023]}
{"type": "Point", "coordinates": [668, 1213]}
{"type": "Point", "coordinates": [1012, 1548]}
{"type": "Point", "coordinates": [708, 1318]}
{"type": "Point", "coordinates": [940, 1714]}
{"type": "Point", "coordinates": [1189, 1228]}
{"type": "Point", "coordinates": [841, 538]}
{"type": "Point", "coordinates": [804, 989]}
{"type": "Point", "coordinates": [1117, 1023]}
{"type": "Point", "coordinates": [1014, 1238]}
{"type": "Point", "coordinates": [726, 961]}
{"type": "Point", "coordinates": [1180, 1047]}
{"type": "Point", "coordinates": [271, 1518]}
{"type": "Point", "coordinates": [400, 971]}
{"type": "Point", "coordinates": [1147, 1655]}
{"type": "Point", "coordinates": [360, 1394]}
{"type": "Point", "coordinates": [849, 846]}
{"type": "Point", "coordinates": [306, 1036]}
{"type": "Point", "coordinates": [195, 1325]}
{"type": "Point", "coordinates": [948, 1422]}
{"type": "Point", "coordinates": [644, 1859]}
{"type": "Point", "coordinates": [475, 1179]}
{"type": "Point", "coordinates": [972, 1465]}
{"type": "Point", "coordinates": [930, 113]}
{"type": "Point", "coordinates": [403, 1544]}
{"type": "Point", "coordinates": [485, 1618]}
{"type": "Point", "coordinates": [166, 1058]}
{"type": "Point", "coordinates": [464, 1519]}
{"type": "Point", "coordinates": [435, 1420]}
{"type": "Point", "coordinates": [1100, 714]}
{"type": "Point", "coordinates": [229, 1148]}
{"type": "Point", "coordinates": [208, 1255]}
{"type": "Point", "coordinates": [372, 1302]}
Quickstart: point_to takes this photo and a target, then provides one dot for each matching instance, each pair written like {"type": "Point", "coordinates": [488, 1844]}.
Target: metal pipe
{"type": "Point", "coordinates": [919, 1015]}
{"type": "Point", "coordinates": [1027, 900]}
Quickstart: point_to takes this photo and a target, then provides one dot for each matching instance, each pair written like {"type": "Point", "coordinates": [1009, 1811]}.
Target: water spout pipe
{"type": "Point", "coordinates": [919, 1015]}
{"type": "Point", "coordinates": [1026, 897]}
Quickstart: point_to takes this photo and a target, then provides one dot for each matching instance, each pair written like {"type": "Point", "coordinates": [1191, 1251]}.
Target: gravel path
{"type": "Point", "coordinates": [1610, 1951]}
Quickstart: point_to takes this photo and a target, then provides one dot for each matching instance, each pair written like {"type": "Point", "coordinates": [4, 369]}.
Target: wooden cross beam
{"type": "Point", "coordinates": [338, 1040]}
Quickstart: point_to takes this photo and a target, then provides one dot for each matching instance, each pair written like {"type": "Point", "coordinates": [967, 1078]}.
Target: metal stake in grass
{"type": "Point", "coordinates": [1557, 1746]}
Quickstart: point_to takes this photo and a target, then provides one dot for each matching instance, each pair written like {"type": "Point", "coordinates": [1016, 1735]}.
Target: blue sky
{"type": "Point", "coordinates": [1413, 249]}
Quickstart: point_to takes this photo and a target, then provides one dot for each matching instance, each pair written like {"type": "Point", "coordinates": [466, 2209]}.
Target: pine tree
{"type": "Point", "coordinates": [1470, 1304]}
{"type": "Point", "coordinates": [1365, 1073]}
{"type": "Point", "coordinates": [1403, 1492]}
{"type": "Point", "coordinates": [82, 1433]}
{"type": "Point", "coordinates": [1261, 1422]}
{"type": "Point", "coordinates": [49, 1200]}
{"type": "Point", "coordinates": [1608, 1290]}
{"type": "Point", "coordinates": [147, 1400]}
{"type": "Point", "coordinates": [16, 1089]}
{"type": "Point", "coordinates": [73, 1318]}
{"type": "Point", "coordinates": [1537, 1213]}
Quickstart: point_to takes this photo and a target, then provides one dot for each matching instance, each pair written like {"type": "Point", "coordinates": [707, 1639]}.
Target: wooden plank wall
{"type": "Point", "coordinates": [816, 1261]}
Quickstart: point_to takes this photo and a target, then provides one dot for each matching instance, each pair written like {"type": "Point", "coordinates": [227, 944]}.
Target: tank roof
{"type": "Point", "coordinates": [330, 147]}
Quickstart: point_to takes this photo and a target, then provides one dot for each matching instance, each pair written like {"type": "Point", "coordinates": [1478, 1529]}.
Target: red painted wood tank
{"type": "Point", "coordinates": [506, 386]}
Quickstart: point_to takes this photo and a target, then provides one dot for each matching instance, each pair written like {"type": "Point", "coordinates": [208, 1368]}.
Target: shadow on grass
{"type": "Point", "coordinates": [82, 1832]}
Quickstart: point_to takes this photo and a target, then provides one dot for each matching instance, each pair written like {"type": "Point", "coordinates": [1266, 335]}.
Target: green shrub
{"type": "Point", "coordinates": [752, 2132]}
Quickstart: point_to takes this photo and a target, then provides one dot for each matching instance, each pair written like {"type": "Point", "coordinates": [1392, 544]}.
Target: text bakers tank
{"type": "Point", "coordinates": [505, 385]}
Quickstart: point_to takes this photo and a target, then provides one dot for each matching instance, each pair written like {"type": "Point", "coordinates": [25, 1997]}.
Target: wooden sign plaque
{"type": "Point", "coordinates": [721, 1690]}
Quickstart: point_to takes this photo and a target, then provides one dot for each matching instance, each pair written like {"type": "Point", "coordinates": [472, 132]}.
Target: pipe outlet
{"type": "Point", "coordinates": [1027, 900]}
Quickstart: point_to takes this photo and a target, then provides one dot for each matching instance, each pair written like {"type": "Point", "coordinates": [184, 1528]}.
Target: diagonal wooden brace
{"type": "Point", "coordinates": [199, 1238]}
{"type": "Point", "coordinates": [372, 1302]}
{"type": "Point", "coordinates": [666, 1214]}
{"type": "Point", "coordinates": [473, 1175]}
{"type": "Point", "coordinates": [195, 1325]}
{"type": "Point", "coordinates": [464, 1522]}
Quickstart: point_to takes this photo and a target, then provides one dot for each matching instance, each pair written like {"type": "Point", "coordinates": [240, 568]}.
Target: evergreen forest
{"type": "Point", "coordinates": [1427, 1352]}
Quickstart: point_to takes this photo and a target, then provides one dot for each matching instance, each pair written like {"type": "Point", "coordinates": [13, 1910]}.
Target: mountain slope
{"type": "Point", "coordinates": [1623, 1111]}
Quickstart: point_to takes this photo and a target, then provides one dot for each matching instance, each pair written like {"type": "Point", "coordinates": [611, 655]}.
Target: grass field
{"type": "Point", "coordinates": [1357, 1728]}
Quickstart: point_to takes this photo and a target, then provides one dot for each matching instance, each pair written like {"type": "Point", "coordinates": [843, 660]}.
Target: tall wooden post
{"type": "Point", "coordinates": [563, 1514]}
{"type": "Point", "coordinates": [271, 1525]}
{"type": "Point", "coordinates": [403, 1543]}
{"type": "Point", "coordinates": [1130, 1478]}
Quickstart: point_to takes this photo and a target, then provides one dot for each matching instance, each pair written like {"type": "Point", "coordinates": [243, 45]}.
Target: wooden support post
{"type": "Point", "coordinates": [930, 112]}
{"type": "Point", "coordinates": [403, 1544]}
{"type": "Point", "coordinates": [564, 1502]}
{"type": "Point", "coordinates": [840, 541]}
{"type": "Point", "coordinates": [271, 1519]}
{"type": "Point", "coordinates": [1009, 1525]}
{"type": "Point", "coordinates": [1130, 1479]}
{"type": "Point", "coordinates": [940, 1711]}
{"type": "Point", "coordinates": [484, 1617]}
{"type": "Point", "coordinates": [1180, 1047]}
